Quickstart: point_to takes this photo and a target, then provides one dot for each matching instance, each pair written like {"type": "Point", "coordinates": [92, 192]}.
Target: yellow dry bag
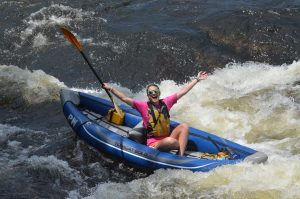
{"type": "Point", "coordinates": [113, 117]}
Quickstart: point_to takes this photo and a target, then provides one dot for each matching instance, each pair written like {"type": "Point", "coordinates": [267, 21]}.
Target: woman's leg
{"type": "Point", "coordinates": [177, 140]}
{"type": "Point", "coordinates": [166, 144]}
{"type": "Point", "coordinates": [181, 133]}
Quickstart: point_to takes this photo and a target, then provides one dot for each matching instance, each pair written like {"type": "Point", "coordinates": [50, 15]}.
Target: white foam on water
{"type": "Point", "coordinates": [6, 130]}
{"type": "Point", "coordinates": [39, 41]}
{"type": "Point", "coordinates": [38, 23]}
{"type": "Point", "coordinates": [254, 104]}
{"type": "Point", "coordinates": [11, 3]}
{"type": "Point", "coordinates": [74, 194]}
{"type": "Point", "coordinates": [12, 150]}
{"type": "Point", "coordinates": [55, 166]}
{"type": "Point", "coordinates": [244, 100]}
{"type": "Point", "coordinates": [33, 86]}
{"type": "Point", "coordinates": [235, 181]}
{"type": "Point", "coordinates": [52, 16]}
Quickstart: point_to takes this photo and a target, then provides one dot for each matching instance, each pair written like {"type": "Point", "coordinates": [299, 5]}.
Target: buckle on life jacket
{"type": "Point", "coordinates": [113, 117]}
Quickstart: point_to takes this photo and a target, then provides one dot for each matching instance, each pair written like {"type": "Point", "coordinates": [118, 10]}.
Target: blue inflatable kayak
{"type": "Point", "coordinates": [85, 114]}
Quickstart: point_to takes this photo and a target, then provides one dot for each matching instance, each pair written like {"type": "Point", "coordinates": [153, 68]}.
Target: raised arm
{"type": "Point", "coordinates": [201, 76]}
{"type": "Point", "coordinates": [118, 94]}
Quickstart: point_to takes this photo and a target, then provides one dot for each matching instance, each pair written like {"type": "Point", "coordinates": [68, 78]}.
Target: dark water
{"type": "Point", "coordinates": [130, 43]}
{"type": "Point", "coordinates": [164, 39]}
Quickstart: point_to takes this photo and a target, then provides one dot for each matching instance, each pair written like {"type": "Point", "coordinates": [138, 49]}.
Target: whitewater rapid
{"type": "Point", "coordinates": [253, 104]}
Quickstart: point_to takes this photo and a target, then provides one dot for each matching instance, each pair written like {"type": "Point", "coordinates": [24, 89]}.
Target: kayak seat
{"type": "Point", "coordinates": [137, 133]}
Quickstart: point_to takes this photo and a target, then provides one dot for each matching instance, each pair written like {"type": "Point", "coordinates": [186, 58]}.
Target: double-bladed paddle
{"type": "Point", "coordinates": [73, 40]}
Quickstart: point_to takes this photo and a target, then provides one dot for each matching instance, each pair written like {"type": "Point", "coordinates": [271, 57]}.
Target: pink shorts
{"type": "Point", "coordinates": [152, 141]}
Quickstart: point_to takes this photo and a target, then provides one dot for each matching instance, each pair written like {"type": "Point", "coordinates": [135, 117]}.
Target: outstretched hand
{"type": "Point", "coordinates": [202, 75]}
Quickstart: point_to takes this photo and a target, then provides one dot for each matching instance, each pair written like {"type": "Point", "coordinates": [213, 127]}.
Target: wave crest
{"type": "Point", "coordinates": [18, 86]}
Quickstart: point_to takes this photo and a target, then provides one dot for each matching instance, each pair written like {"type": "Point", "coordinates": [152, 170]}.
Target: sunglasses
{"type": "Point", "coordinates": [153, 92]}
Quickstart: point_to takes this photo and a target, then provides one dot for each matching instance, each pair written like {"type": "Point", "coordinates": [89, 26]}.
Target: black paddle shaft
{"type": "Point", "coordinates": [93, 70]}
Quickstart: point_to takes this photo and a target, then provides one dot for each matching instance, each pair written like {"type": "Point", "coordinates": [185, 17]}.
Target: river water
{"type": "Point", "coordinates": [252, 96]}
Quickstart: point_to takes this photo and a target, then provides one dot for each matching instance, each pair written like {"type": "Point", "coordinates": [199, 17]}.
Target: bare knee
{"type": "Point", "coordinates": [184, 127]}
{"type": "Point", "coordinates": [171, 141]}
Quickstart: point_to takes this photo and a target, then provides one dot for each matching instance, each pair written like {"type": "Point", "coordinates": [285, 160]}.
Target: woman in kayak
{"type": "Point", "coordinates": [156, 118]}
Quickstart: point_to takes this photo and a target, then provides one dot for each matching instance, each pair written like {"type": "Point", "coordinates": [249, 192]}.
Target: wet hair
{"type": "Point", "coordinates": [150, 86]}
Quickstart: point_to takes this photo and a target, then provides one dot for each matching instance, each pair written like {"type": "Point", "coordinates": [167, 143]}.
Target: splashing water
{"type": "Point", "coordinates": [32, 86]}
{"type": "Point", "coordinates": [254, 104]}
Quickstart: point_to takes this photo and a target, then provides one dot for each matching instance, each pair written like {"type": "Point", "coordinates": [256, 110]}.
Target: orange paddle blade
{"type": "Point", "coordinates": [71, 38]}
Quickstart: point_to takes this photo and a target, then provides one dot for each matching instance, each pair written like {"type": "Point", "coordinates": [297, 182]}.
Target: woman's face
{"type": "Point", "coordinates": [153, 94]}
